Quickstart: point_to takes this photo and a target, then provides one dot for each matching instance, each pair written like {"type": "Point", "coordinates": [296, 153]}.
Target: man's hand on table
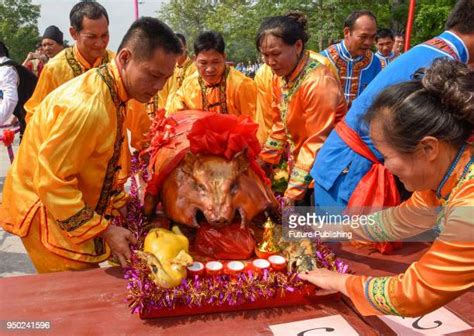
{"type": "Point", "coordinates": [119, 239]}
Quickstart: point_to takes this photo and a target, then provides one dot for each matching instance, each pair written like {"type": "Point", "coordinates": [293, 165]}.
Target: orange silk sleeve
{"type": "Point", "coordinates": [274, 145]}
{"type": "Point", "coordinates": [60, 161]}
{"type": "Point", "coordinates": [443, 273]}
{"type": "Point", "coordinates": [47, 82]}
{"type": "Point", "coordinates": [319, 101]}
{"type": "Point", "coordinates": [188, 96]}
{"type": "Point", "coordinates": [263, 82]}
{"type": "Point", "coordinates": [245, 98]}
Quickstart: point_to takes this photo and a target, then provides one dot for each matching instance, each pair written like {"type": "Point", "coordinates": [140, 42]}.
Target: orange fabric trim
{"type": "Point", "coordinates": [355, 290]}
{"type": "Point", "coordinates": [62, 248]}
{"type": "Point", "coordinates": [26, 216]}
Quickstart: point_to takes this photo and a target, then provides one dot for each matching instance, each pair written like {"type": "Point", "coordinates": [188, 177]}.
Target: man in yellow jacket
{"type": "Point", "coordinates": [64, 183]}
{"type": "Point", "coordinates": [90, 30]}
{"type": "Point", "coordinates": [216, 86]}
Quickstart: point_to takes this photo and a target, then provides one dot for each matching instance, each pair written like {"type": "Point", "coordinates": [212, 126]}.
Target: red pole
{"type": "Point", "coordinates": [411, 16]}
{"type": "Point", "coordinates": [135, 8]}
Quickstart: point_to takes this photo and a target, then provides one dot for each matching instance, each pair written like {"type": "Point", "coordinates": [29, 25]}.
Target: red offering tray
{"type": "Point", "coordinates": [211, 289]}
{"type": "Point", "coordinates": [281, 299]}
{"type": "Point", "coordinates": [225, 291]}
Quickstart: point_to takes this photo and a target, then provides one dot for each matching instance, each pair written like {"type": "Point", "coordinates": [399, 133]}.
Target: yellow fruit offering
{"type": "Point", "coordinates": [166, 253]}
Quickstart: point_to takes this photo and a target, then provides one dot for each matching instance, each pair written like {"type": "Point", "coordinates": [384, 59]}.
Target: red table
{"type": "Point", "coordinates": [94, 303]}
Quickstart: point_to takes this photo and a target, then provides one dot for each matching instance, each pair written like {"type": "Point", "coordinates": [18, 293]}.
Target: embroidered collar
{"type": "Point", "coordinates": [288, 89]}
{"type": "Point", "coordinates": [293, 77]}
{"type": "Point", "coordinates": [345, 54]}
{"type": "Point", "coordinates": [111, 77]}
{"type": "Point", "coordinates": [119, 87]}
{"type": "Point", "coordinates": [456, 171]}
{"type": "Point", "coordinates": [85, 65]}
{"type": "Point", "coordinates": [205, 88]}
{"type": "Point", "coordinates": [181, 71]}
{"type": "Point", "coordinates": [389, 57]}
{"type": "Point", "coordinates": [457, 44]}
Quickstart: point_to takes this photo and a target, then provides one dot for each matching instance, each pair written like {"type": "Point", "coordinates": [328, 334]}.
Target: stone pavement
{"type": "Point", "coordinates": [14, 259]}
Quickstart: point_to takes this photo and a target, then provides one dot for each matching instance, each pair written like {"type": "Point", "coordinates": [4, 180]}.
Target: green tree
{"type": "Point", "coordinates": [430, 17]}
{"type": "Point", "coordinates": [187, 16]}
{"type": "Point", "coordinates": [238, 20]}
{"type": "Point", "coordinates": [238, 28]}
{"type": "Point", "coordinates": [18, 27]}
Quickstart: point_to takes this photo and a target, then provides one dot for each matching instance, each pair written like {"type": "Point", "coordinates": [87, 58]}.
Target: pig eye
{"type": "Point", "coordinates": [154, 268]}
{"type": "Point", "coordinates": [201, 187]}
{"type": "Point", "coordinates": [234, 188]}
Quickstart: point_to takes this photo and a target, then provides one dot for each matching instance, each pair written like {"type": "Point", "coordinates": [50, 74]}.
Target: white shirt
{"type": "Point", "coordinates": [9, 86]}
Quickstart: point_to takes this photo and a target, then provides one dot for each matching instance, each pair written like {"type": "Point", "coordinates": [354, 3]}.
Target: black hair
{"type": "Point", "coordinates": [290, 28]}
{"type": "Point", "coordinates": [461, 18]}
{"type": "Point", "coordinates": [4, 50]}
{"type": "Point", "coordinates": [181, 37]}
{"type": "Point", "coordinates": [210, 40]}
{"type": "Point", "coordinates": [53, 33]}
{"type": "Point", "coordinates": [147, 34]}
{"type": "Point", "coordinates": [399, 34]}
{"type": "Point", "coordinates": [350, 20]}
{"type": "Point", "coordinates": [86, 8]}
{"type": "Point", "coordinates": [384, 33]}
{"type": "Point", "coordinates": [440, 105]}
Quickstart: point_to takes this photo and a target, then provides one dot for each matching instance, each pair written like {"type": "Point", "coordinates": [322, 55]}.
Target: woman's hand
{"type": "Point", "coordinates": [328, 281]}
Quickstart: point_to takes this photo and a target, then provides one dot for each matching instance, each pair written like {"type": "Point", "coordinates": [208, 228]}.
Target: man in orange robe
{"type": "Point", "coordinates": [64, 184]}
{"type": "Point", "coordinates": [90, 30]}
{"type": "Point", "coordinates": [215, 87]}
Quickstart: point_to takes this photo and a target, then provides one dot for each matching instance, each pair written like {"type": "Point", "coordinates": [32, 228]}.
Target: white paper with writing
{"type": "Point", "coordinates": [439, 322]}
{"type": "Point", "coordinates": [329, 325]}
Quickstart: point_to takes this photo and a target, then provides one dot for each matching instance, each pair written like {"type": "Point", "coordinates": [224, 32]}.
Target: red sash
{"type": "Point", "coordinates": [377, 188]}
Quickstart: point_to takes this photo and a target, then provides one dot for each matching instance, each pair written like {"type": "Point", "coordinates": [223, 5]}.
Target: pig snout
{"type": "Point", "coordinates": [220, 214]}
{"type": "Point", "coordinates": [222, 221]}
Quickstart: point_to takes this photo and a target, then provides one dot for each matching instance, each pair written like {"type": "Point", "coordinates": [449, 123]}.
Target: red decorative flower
{"type": "Point", "coordinates": [161, 130]}
{"type": "Point", "coordinates": [226, 135]}
{"type": "Point", "coordinates": [8, 137]}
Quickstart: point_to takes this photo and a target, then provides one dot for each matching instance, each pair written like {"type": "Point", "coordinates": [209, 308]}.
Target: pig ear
{"type": "Point", "coordinates": [188, 162]}
{"type": "Point", "coordinates": [241, 161]}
